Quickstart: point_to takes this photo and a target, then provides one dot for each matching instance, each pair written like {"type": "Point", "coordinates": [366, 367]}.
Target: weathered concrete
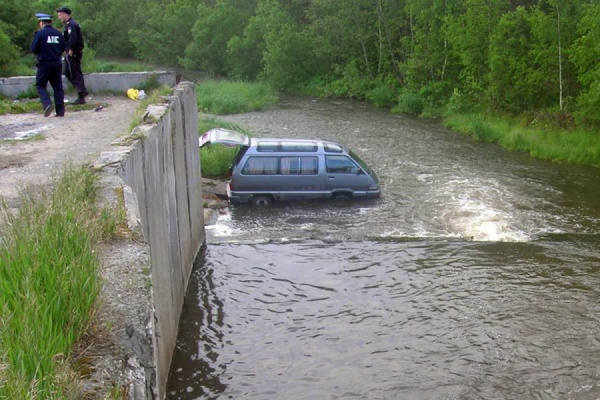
{"type": "Point", "coordinates": [161, 174]}
{"type": "Point", "coordinates": [95, 83]}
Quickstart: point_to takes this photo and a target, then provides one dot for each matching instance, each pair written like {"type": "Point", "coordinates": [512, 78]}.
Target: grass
{"type": "Point", "coordinates": [49, 283]}
{"type": "Point", "coordinates": [230, 97]}
{"type": "Point", "coordinates": [576, 145]}
{"type": "Point", "coordinates": [225, 97]}
{"type": "Point", "coordinates": [216, 160]}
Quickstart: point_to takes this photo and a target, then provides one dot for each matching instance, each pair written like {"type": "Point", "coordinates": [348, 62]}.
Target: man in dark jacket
{"type": "Point", "coordinates": [48, 45]}
{"type": "Point", "coordinates": [74, 40]}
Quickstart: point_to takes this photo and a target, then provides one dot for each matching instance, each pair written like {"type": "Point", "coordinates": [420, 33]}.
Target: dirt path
{"type": "Point", "coordinates": [79, 138]}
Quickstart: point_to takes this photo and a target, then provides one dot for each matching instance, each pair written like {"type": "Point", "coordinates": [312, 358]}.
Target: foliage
{"type": "Point", "coordinates": [350, 83]}
{"type": "Point", "coordinates": [215, 28]}
{"type": "Point", "coordinates": [102, 65]}
{"type": "Point", "coordinates": [541, 140]}
{"type": "Point", "coordinates": [223, 97]}
{"type": "Point", "coordinates": [585, 54]}
{"type": "Point", "coordinates": [159, 40]}
{"type": "Point", "coordinates": [504, 56]}
{"type": "Point", "coordinates": [8, 52]}
{"type": "Point", "coordinates": [216, 160]}
{"type": "Point", "coordinates": [106, 24]}
{"type": "Point", "coordinates": [459, 103]}
{"type": "Point", "coordinates": [49, 284]}
{"type": "Point", "coordinates": [409, 103]}
{"type": "Point", "coordinates": [382, 96]}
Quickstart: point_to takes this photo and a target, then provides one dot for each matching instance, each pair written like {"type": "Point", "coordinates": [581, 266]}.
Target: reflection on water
{"type": "Point", "coordinates": [391, 319]}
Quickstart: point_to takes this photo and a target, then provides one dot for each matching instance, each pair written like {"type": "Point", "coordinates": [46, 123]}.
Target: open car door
{"type": "Point", "coordinates": [224, 137]}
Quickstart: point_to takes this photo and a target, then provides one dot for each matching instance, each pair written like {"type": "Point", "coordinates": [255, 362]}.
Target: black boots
{"type": "Point", "coordinates": [80, 98]}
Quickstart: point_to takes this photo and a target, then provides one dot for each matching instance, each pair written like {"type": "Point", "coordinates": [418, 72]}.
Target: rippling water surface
{"type": "Point", "coordinates": [475, 276]}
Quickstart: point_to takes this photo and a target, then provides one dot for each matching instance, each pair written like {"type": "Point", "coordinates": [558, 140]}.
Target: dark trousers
{"type": "Point", "coordinates": [50, 72]}
{"type": "Point", "coordinates": [74, 74]}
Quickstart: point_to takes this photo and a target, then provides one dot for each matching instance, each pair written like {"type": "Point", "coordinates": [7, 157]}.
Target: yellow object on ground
{"type": "Point", "coordinates": [133, 94]}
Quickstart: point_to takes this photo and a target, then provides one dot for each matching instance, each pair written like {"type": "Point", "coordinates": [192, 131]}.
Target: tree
{"type": "Point", "coordinates": [470, 34]}
{"type": "Point", "coordinates": [19, 22]}
{"type": "Point", "coordinates": [106, 25]}
{"type": "Point", "coordinates": [286, 53]}
{"type": "Point", "coordinates": [211, 32]}
{"type": "Point", "coordinates": [160, 30]}
{"type": "Point", "coordinates": [585, 53]}
{"type": "Point", "coordinates": [510, 67]}
{"type": "Point", "coordinates": [8, 53]}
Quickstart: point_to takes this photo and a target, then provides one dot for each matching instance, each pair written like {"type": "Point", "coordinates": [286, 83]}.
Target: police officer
{"type": "Point", "coordinates": [74, 39]}
{"type": "Point", "coordinates": [48, 45]}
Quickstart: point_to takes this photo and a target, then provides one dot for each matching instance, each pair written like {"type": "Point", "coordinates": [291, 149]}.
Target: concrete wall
{"type": "Point", "coordinates": [163, 172]}
{"type": "Point", "coordinates": [95, 83]}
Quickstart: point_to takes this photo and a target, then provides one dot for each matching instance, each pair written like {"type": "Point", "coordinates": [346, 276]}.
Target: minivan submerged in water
{"type": "Point", "coordinates": [267, 170]}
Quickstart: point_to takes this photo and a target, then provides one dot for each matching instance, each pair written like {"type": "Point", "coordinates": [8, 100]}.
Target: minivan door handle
{"type": "Point", "coordinates": [331, 178]}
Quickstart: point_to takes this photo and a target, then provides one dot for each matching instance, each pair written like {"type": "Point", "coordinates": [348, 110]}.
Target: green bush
{"type": "Point", "coordinates": [410, 103]}
{"type": "Point", "coordinates": [382, 96]}
{"type": "Point", "coordinates": [8, 54]}
{"type": "Point", "coordinates": [459, 103]}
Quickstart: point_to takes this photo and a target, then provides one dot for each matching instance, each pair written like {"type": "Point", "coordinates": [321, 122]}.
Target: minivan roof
{"type": "Point", "coordinates": [231, 138]}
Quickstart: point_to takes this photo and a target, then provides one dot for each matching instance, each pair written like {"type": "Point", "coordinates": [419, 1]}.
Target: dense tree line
{"type": "Point", "coordinates": [513, 56]}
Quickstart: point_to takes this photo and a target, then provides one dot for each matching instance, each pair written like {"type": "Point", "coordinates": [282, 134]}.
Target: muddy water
{"type": "Point", "coordinates": [475, 276]}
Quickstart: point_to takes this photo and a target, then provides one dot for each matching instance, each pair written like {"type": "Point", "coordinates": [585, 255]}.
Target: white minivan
{"type": "Point", "coordinates": [267, 170]}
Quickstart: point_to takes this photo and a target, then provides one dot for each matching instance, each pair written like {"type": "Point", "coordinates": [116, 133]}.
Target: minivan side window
{"type": "Point", "coordinates": [261, 166]}
{"type": "Point", "coordinates": [340, 165]}
{"type": "Point", "coordinates": [294, 165]}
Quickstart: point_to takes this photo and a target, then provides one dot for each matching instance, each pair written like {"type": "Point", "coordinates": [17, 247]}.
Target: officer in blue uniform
{"type": "Point", "coordinates": [74, 40]}
{"type": "Point", "coordinates": [48, 45]}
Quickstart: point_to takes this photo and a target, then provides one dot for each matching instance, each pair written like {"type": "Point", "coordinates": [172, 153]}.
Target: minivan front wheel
{"type": "Point", "coordinates": [342, 198]}
{"type": "Point", "coordinates": [261, 200]}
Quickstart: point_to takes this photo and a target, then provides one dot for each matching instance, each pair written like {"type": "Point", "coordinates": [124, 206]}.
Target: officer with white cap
{"type": "Point", "coordinates": [48, 45]}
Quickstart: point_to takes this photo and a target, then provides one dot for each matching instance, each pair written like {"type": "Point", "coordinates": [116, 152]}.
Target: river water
{"type": "Point", "coordinates": [476, 275]}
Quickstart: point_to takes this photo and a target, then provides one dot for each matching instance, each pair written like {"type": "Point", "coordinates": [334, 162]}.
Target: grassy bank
{"type": "Point", "coordinates": [49, 283]}
{"type": "Point", "coordinates": [225, 97]}
{"type": "Point", "coordinates": [539, 139]}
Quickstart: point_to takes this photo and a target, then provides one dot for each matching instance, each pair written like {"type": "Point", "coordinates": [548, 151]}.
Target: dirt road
{"type": "Point", "coordinates": [33, 147]}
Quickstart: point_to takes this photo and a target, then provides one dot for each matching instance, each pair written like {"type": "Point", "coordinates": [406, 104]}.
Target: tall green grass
{"type": "Point", "coordinates": [230, 97]}
{"type": "Point", "coordinates": [225, 97]}
{"type": "Point", "coordinates": [577, 146]}
{"type": "Point", "coordinates": [49, 284]}
{"type": "Point", "coordinates": [216, 160]}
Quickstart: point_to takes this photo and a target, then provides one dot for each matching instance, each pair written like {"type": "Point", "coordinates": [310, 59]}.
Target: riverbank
{"type": "Point", "coordinates": [539, 136]}
{"type": "Point", "coordinates": [35, 149]}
